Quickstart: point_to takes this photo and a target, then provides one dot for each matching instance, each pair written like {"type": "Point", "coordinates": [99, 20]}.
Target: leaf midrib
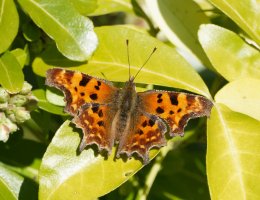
{"type": "Point", "coordinates": [55, 21]}
{"type": "Point", "coordinates": [6, 73]}
{"type": "Point", "coordinates": [241, 18]}
{"type": "Point", "coordinates": [234, 154]}
{"type": "Point", "coordinates": [2, 10]}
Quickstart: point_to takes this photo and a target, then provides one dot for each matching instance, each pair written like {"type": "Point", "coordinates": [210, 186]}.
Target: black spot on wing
{"type": "Point", "coordinates": [84, 81]}
{"type": "Point", "coordinates": [159, 110]}
{"type": "Point", "coordinates": [101, 123]}
{"type": "Point", "coordinates": [151, 122]}
{"type": "Point", "coordinates": [174, 99]}
{"type": "Point", "coordinates": [93, 96]}
{"type": "Point", "coordinates": [100, 113]}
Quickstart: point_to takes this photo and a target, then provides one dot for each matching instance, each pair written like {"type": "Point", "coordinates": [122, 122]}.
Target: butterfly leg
{"type": "Point", "coordinates": [93, 119]}
{"type": "Point", "coordinates": [147, 132]}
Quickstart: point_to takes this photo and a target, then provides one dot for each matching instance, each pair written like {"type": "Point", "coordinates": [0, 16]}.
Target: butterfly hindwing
{"type": "Point", "coordinates": [175, 108]}
{"type": "Point", "coordinates": [80, 88]}
{"type": "Point", "coordinates": [147, 131]}
{"type": "Point", "coordinates": [94, 119]}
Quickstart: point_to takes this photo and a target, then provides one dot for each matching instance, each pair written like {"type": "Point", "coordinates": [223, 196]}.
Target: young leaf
{"type": "Point", "coordinates": [166, 67]}
{"type": "Point", "coordinates": [228, 53]}
{"type": "Point", "coordinates": [105, 7]}
{"type": "Point", "coordinates": [11, 76]}
{"type": "Point", "coordinates": [245, 13]}
{"type": "Point", "coordinates": [73, 33]}
{"type": "Point", "coordinates": [233, 160]}
{"type": "Point", "coordinates": [180, 20]}
{"type": "Point", "coordinates": [20, 55]}
{"type": "Point", "coordinates": [241, 96]}
{"type": "Point", "coordinates": [63, 173]}
{"type": "Point", "coordinates": [85, 7]}
{"type": "Point", "coordinates": [9, 22]}
{"type": "Point", "coordinates": [44, 104]}
{"type": "Point", "coordinates": [10, 184]}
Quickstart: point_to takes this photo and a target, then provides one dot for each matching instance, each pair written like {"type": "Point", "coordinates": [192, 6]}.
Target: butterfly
{"type": "Point", "coordinates": [135, 121]}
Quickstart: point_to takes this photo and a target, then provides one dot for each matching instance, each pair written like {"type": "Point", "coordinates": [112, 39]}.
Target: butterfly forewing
{"type": "Point", "coordinates": [175, 108]}
{"type": "Point", "coordinates": [80, 88]}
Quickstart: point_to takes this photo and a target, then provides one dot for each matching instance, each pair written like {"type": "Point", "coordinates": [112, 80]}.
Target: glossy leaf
{"type": "Point", "coordinates": [179, 21]}
{"type": "Point", "coordinates": [105, 7]}
{"type": "Point", "coordinates": [245, 13]}
{"type": "Point", "coordinates": [55, 97]}
{"type": "Point", "coordinates": [85, 6]}
{"type": "Point", "coordinates": [11, 76]}
{"type": "Point", "coordinates": [20, 55]}
{"type": "Point", "coordinates": [229, 54]}
{"type": "Point", "coordinates": [10, 184]}
{"type": "Point", "coordinates": [233, 162]}
{"type": "Point", "coordinates": [44, 104]}
{"type": "Point", "coordinates": [241, 96]}
{"type": "Point", "coordinates": [73, 33]}
{"type": "Point", "coordinates": [84, 176]}
{"type": "Point", "coordinates": [166, 67]}
{"type": "Point", "coordinates": [9, 22]}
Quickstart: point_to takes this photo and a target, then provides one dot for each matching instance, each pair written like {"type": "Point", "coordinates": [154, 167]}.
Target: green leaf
{"type": "Point", "coordinates": [241, 96]}
{"type": "Point", "coordinates": [228, 53]}
{"type": "Point", "coordinates": [180, 20]}
{"type": "Point", "coordinates": [105, 7]}
{"type": "Point", "coordinates": [45, 105]}
{"type": "Point", "coordinates": [166, 67]}
{"type": "Point", "coordinates": [55, 97]}
{"type": "Point", "coordinates": [73, 33]}
{"type": "Point", "coordinates": [9, 22]}
{"type": "Point", "coordinates": [65, 174]}
{"type": "Point", "coordinates": [245, 13]}
{"type": "Point", "coordinates": [11, 76]}
{"type": "Point", "coordinates": [85, 6]}
{"type": "Point", "coordinates": [233, 161]}
{"type": "Point", "coordinates": [10, 184]}
{"type": "Point", "coordinates": [20, 55]}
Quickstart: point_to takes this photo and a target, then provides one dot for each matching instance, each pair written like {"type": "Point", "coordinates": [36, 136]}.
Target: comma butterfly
{"type": "Point", "coordinates": [137, 121]}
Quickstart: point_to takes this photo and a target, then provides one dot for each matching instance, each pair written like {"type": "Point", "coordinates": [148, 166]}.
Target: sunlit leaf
{"type": "Point", "coordinates": [245, 13]}
{"type": "Point", "coordinates": [73, 33]}
{"type": "Point", "coordinates": [233, 161]}
{"type": "Point", "coordinates": [64, 173]}
{"type": "Point", "coordinates": [55, 97]}
{"type": "Point", "coordinates": [9, 22]}
{"type": "Point", "coordinates": [85, 6]}
{"type": "Point", "coordinates": [10, 184]}
{"type": "Point", "coordinates": [180, 20]}
{"type": "Point", "coordinates": [20, 55]}
{"type": "Point", "coordinates": [11, 76]}
{"type": "Point", "coordinates": [229, 54]}
{"type": "Point", "coordinates": [44, 104]}
{"type": "Point", "coordinates": [166, 67]}
{"type": "Point", "coordinates": [241, 96]}
{"type": "Point", "coordinates": [105, 7]}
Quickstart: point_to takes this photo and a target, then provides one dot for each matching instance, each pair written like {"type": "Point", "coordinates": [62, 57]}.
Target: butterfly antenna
{"type": "Point", "coordinates": [127, 48]}
{"type": "Point", "coordinates": [145, 62]}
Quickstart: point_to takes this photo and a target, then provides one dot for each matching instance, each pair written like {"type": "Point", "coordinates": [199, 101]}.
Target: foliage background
{"type": "Point", "coordinates": [205, 47]}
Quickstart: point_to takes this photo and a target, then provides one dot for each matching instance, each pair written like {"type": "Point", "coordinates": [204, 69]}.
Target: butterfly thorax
{"type": "Point", "coordinates": [127, 106]}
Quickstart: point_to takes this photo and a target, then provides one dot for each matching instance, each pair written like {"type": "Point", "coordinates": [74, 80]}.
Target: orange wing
{"type": "Point", "coordinates": [146, 131]}
{"type": "Point", "coordinates": [175, 108]}
{"type": "Point", "coordinates": [80, 88]}
{"type": "Point", "coordinates": [95, 121]}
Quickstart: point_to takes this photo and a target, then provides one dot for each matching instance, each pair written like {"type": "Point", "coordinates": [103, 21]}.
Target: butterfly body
{"type": "Point", "coordinates": [135, 121]}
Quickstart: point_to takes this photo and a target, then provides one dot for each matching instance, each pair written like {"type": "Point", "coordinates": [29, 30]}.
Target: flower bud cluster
{"type": "Point", "coordinates": [15, 109]}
